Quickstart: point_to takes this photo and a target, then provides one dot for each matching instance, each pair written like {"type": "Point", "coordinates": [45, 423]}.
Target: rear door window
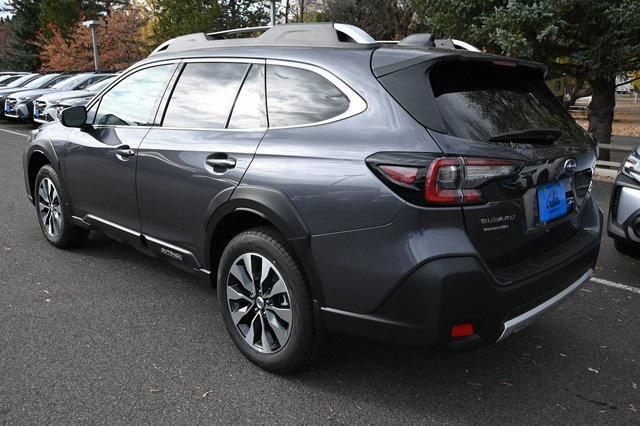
{"type": "Point", "coordinates": [298, 97]}
{"type": "Point", "coordinates": [204, 95]}
{"type": "Point", "coordinates": [249, 111]}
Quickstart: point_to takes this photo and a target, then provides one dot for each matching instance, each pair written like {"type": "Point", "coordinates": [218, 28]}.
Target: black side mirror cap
{"type": "Point", "coordinates": [75, 116]}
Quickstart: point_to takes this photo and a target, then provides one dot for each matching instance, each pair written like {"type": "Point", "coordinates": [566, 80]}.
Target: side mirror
{"type": "Point", "coordinates": [75, 116]}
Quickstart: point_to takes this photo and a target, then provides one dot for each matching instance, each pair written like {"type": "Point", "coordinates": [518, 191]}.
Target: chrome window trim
{"type": "Point", "coordinates": [225, 60]}
{"type": "Point", "coordinates": [357, 104]}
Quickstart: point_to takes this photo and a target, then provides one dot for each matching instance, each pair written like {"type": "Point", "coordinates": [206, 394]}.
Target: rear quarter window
{"type": "Point", "coordinates": [298, 97]}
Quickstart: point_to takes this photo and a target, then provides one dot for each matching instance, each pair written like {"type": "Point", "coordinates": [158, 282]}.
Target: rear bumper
{"type": "Point", "coordinates": [457, 289]}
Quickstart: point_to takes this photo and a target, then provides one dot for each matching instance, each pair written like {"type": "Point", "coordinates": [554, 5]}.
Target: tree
{"type": "Point", "coordinates": [383, 19]}
{"type": "Point", "coordinates": [22, 52]}
{"type": "Point", "coordinates": [590, 40]}
{"type": "Point", "coordinates": [118, 37]}
{"type": "Point", "coordinates": [172, 18]}
{"type": "Point", "coordinates": [62, 14]}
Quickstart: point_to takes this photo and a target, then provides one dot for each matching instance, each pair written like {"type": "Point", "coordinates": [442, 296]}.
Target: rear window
{"type": "Point", "coordinates": [481, 101]}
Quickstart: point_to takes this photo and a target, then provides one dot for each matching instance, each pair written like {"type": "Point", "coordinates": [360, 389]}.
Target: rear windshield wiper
{"type": "Point", "coordinates": [531, 135]}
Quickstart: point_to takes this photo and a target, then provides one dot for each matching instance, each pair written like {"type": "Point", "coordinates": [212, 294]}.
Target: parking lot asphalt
{"type": "Point", "coordinates": [104, 334]}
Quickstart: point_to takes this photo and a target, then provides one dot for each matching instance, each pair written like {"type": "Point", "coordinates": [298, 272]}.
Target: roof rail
{"type": "Point", "coordinates": [219, 35]}
{"type": "Point", "coordinates": [441, 43]}
{"type": "Point", "coordinates": [321, 34]}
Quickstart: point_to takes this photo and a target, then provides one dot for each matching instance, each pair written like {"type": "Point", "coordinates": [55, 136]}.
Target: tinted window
{"type": "Point", "coordinates": [98, 86]}
{"type": "Point", "coordinates": [249, 111]}
{"type": "Point", "coordinates": [479, 101]}
{"type": "Point", "coordinates": [41, 81]}
{"type": "Point", "coordinates": [296, 96]}
{"type": "Point", "coordinates": [133, 101]}
{"type": "Point", "coordinates": [88, 82]}
{"type": "Point", "coordinates": [204, 95]}
{"type": "Point", "coordinates": [21, 80]}
{"type": "Point", "coordinates": [69, 83]}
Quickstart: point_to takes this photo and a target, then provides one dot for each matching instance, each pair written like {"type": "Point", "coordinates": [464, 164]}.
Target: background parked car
{"type": "Point", "coordinates": [624, 213]}
{"type": "Point", "coordinates": [582, 103]}
{"type": "Point", "coordinates": [8, 78]}
{"type": "Point", "coordinates": [20, 105]}
{"type": "Point", "coordinates": [16, 102]}
{"type": "Point", "coordinates": [48, 107]}
{"type": "Point", "coordinates": [15, 86]}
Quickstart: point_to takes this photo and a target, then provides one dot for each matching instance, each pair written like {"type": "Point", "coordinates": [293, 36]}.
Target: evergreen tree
{"type": "Point", "coordinates": [22, 52]}
{"type": "Point", "coordinates": [62, 14]}
{"type": "Point", "coordinates": [592, 41]}
{"type": "Point", "coordinates": [172, 18]}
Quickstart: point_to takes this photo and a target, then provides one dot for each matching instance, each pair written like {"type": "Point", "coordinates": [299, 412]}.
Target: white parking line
{"type": "Point", "coordinates": [616, 285]}
{"type": "Point", "coordinates": [14, 133]}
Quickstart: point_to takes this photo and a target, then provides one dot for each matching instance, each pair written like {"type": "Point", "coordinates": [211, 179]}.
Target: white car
{"type": "Point", "coordinates": [582, 103]}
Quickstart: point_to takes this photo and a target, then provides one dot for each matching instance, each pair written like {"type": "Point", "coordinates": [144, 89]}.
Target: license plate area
{"type": "Point", "coordinates": [552, 202]}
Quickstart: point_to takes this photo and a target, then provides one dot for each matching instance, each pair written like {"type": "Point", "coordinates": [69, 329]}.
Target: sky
{"type": "Point", "coordinates": [3, 5]}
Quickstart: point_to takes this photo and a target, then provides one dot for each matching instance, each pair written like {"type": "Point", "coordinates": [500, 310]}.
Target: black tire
{"type": "Point", "coordinates": [68, 235]}
{"type": "Point", "coordinates": [302, 346]}
{"type": "Point", "coordinates": [626, 247]}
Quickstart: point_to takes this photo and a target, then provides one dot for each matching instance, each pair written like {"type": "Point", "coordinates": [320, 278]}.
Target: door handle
{"type": "Point", "coordinates": [123, 152]}
{"type": "Point", "coordinates": [221, 164]}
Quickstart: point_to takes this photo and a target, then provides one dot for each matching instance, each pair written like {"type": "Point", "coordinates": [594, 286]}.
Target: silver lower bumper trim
{"type": "Point", "coordinates": [521, 321]}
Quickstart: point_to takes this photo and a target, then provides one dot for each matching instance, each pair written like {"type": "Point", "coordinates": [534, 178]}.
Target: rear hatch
{"type": "Point", "coordinates": [524, 165]}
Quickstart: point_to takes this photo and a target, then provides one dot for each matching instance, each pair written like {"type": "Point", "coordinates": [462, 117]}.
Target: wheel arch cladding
{"type": "Point", "coordinates": [252, 206]}
{"type": "Point", "coordinates": [37, 159]}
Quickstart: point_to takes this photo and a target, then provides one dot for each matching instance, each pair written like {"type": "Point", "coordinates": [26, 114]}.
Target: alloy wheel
{"type": "Point", "coordinates": [259, 303]}
{"type": "Point", "coordinates": [49, 207]}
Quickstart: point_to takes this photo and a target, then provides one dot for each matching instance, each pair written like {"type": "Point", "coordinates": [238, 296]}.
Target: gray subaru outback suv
{"type": "Point", "coordinates": [416, 194]}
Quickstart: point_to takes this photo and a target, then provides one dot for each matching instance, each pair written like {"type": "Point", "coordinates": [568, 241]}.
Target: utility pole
{"type": "Point", "coordinates": [273, 12]}
{"type": "Point", "coordinates": [93, 25]}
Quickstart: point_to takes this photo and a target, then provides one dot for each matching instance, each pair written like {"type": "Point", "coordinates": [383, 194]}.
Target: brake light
{"type": "Point", "coordinates": [401, 174]}
{"type": "Point", "coordinates": [455, 181]}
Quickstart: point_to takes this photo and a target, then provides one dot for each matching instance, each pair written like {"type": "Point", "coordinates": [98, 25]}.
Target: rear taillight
{"type": "Point", "coordinates": [440, 181]}
{"type": "Point", "coordinates": [455, 181]}
{"type": "Point", "coordinates": [400, 174]}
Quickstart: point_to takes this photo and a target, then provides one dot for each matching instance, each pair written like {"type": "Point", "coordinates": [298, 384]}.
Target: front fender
{"type": "Point", "coordinates": [37, 147]}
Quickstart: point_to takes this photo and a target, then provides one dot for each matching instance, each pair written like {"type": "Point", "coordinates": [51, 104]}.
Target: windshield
{"type": "Point", "coordinates": [482, 101]}
{"type": "Point", "coordinates": [70, 83]}
{"type": "Point", "coordinates": [96, 87]}
{"type": "Point", "coordinates": [18, 82]}
{"type": "Point", "coordinates": [40, 81]}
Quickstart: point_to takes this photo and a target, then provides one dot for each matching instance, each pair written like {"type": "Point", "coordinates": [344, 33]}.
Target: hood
{"type": "Point", "coordinates": [31, 94]}
{"type": "Point", "coordinates": [78, 101]}
{"type": "Point", "coordinates": [57, 97]}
